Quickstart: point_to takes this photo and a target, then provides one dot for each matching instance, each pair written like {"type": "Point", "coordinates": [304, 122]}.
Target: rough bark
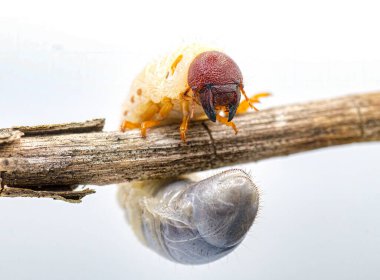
{"type": "Point", "coordinates": [67, 193]}
{"type": "Point", "coordinates": [77, 157]}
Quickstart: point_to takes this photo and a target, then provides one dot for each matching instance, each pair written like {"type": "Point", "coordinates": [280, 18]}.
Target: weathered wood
{"type": "Point", "coordinates": [67, 193]}
{"type": "Point", "coordinates": [9, 135]}
{"type": "Point", "coordinates": [70, 195]}
{"type": "Point", "coordinates": [102, 158]}
{"type": "Point", "coordinates": [94, 125]}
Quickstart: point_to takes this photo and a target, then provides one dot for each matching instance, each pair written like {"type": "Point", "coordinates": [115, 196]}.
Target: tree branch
{"type": "Point", "coordinates": [47, 156]}
{"type": "Point", "coordinates": [67, 193]}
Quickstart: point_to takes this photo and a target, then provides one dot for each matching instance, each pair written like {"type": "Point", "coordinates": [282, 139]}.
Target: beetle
{"type": "Point", "coordinates": [194, 82]}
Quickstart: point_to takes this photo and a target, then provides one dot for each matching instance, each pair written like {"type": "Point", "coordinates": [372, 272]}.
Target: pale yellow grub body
{"type": "Point", "coordinates": [183, 220]}
{"type": "Point", "coordinates": [159, 80]}
{"type": "Point", "coordinates": [160, 94]}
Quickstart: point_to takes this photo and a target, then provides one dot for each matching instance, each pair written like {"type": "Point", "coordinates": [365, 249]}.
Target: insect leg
{"type": "Point", "coordinates": [248, 102]}
{"type": "Point", "coordinates": [147, 124]}
{"type": "Point", "coordinates": [187, 110]}
{"type": "Point", "coordinates": [164, 111]}
{"type": "Point", "coordinates": [166, 108]}
{"type": "Point", "coordinates": [185, 119]}
{"type": "Point", "coordinates": [151, 110]}
{"type": "Point", "coordinates": [225, 121]}
{"type": "Point", "coordinates": [128, 125]}
{"type": "Point", "coordinates": [148, 114]}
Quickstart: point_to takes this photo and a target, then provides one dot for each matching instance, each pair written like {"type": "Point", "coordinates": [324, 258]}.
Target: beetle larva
{"type": "Point", "coordinates": [196, 82]}
{"type": "Point", "coordinates": [192, 222]}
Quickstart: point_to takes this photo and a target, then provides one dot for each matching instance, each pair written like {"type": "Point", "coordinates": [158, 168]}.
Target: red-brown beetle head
{"type": "Point", "coordinates": [216, 79]}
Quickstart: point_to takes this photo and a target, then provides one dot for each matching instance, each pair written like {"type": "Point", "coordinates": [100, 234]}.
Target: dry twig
{"type": "Point", "coordinates": [49, 156]}
{"type": "Point", "coordinates": [67, 193]}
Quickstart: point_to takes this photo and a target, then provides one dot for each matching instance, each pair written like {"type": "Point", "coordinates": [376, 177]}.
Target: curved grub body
{"type": "Point", "coordinates": [159, 80]}
{"type": "Point", "coordinates": [192, 222]}
{"type": "Point", "coordinates": [195, 82]}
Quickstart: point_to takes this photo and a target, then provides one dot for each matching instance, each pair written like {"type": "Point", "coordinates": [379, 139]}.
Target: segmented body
{"type": "Point", "coordinates": [192, 222]}
{"type": "Point", "coordinates": [164, 78]}
{"type": "Point", "coordinates": [185, 221]}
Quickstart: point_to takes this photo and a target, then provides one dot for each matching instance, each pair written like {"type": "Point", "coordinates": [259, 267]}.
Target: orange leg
{"type": "Point", "coordinates": [225, 121]}
{"type": "Point", "coordinates": [150, 110]}
{"type": "Point", "coordinates": [128, 125]}
{"type": "Point", "coordinates": [166, 107]}
{"type": "Point", "coordinates": [149, 116]}
{"type": "Point", "coordinates": [187, 109]}
{"type": "Point", "coordinates": [147, 124]}
{"type": "Point", "coordinates": [185, 119]}
{"type": "Point", "coordinates": [248, 102]}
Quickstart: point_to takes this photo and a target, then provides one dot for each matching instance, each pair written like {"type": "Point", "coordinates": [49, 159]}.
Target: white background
{"type": "Point", "coordinates": [66, 61]}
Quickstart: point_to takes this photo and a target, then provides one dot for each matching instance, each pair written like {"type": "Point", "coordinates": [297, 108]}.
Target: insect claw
{"type": "Point", "coordinates": [143, 133]}
{"type": "Point", "coordinates": [183, 136]}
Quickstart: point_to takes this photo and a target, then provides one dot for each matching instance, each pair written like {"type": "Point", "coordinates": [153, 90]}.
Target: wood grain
{"type": "Point", "coordinates": [101, 158]}
{"type": "Point", "coordinates": [69, 195]}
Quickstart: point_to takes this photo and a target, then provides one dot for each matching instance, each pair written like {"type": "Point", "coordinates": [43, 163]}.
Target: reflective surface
{"type": "Point", "coordinates": [192, 222]}
{"type": "Point", "coordinates": [319, 216]}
